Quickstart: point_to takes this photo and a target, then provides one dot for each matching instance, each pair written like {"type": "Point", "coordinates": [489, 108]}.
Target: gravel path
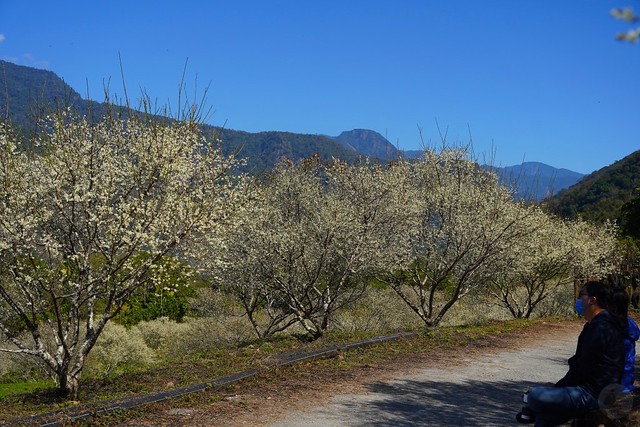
{"type": "Point", "coordinates": [484, 390]}
{"type": "Point", "coordinates": [480, 386]}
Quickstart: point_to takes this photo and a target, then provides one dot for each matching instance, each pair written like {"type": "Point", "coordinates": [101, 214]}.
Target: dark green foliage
{"type": "Point", "coordinates": [169, 285]}
{"type": "Point", "coordinates": [152, 304]}
{"type": "Point", "coordinates": [604, 195]}
{"type": "Point", "coordinates": [630, 217]}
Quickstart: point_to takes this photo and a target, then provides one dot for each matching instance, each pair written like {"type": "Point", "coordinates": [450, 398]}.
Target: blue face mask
{"type": "Point", "coordinates": [579, 307]}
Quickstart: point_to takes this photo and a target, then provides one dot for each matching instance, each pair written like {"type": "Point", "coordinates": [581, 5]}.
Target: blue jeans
{"type": "Point", "coordinates": [557, 405]}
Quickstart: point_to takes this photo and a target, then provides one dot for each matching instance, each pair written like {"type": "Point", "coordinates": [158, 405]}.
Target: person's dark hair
{"type": "Point", "coordinates": [619, 304]}
{"type": "Point", "coordinates": [599, 290]}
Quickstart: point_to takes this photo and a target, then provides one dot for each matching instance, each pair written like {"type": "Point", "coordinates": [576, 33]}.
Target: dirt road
{"type": "Point", "coordinates": [478, 386]}
{"type": "Point", "coordinates": [481, 391]}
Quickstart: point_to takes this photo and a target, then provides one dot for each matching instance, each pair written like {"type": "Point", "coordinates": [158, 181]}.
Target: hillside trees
{"type": "Point", "coordinates": [77, 214]}
{"type": "Point", "coordinates": [594, 249]}
{"type": "Point", "coordinates": [630, 217]}
{"type": "Point", "coordinates": [601, 195]}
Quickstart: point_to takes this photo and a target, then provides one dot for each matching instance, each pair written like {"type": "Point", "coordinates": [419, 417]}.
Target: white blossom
{"type": "Point", "coordinates": [76, 214]}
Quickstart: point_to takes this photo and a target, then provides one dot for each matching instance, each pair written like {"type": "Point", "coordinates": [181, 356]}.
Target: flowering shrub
{"type": "Point", "coordinates": [192, 337]}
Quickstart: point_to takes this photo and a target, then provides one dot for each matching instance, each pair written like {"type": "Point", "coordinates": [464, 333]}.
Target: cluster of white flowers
{"type": "Point", "coordinates": [433, 230]}
{"type": "Point", "coordinates": [91, 215]}
{"type": "Point", "coordinates": [628, 15]}
{"type": "Point", "coordinates": [76, 215]}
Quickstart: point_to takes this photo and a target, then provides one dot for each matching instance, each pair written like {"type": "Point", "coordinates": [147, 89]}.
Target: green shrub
{"type": "Point", "coordinates": [379, 310]}
{"type": "Point", "coordinates": [119, 350]}
{"type": "Point", "coordinates": [168, 288]}
{"type": "Point", "coordinates": [193, 337]}
{"type": "Point", "coordinates": [162, 333]}
{"type": "Point", "coordinates": [18, 368]}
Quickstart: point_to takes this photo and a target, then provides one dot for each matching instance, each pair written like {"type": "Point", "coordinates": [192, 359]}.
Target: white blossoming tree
{"type": "Point", "coordinates": [595, 250]}
{"type": "Point", "coordinates": [453, 231]}
{"type": "Point", "coordinates": [305, 246]}
{"type": "Point", "coordinates": [77, 212]}
{"type": "Point", "coordinates": [554, 253]}
{"type": "Point", "coordinates": [535, 265]}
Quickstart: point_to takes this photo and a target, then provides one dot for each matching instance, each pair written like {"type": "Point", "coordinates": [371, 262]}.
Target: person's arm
{"type": "Point", "coordinates": [588, 354]}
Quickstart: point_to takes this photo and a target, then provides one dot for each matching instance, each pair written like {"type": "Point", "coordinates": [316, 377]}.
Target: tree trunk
{"type": "Point", "coordinates": [68, 385]}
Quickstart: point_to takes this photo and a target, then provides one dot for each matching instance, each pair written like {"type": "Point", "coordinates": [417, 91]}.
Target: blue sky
{"type": "Point", "coordinates": [525, 80]}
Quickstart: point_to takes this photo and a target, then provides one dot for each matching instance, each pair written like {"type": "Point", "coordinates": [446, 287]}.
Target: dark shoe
{"type": "Point", "coordinates": [525, 416]}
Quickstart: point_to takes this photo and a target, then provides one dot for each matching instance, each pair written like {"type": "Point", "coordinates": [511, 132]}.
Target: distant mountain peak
{"type": "Point", "coordinates": [369, 143]}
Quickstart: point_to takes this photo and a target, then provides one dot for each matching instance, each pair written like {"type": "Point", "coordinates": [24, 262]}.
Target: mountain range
{"type": "Point", "coordinates": [535, 180]}
{"type": "Point", "coordinates": [25, 89]}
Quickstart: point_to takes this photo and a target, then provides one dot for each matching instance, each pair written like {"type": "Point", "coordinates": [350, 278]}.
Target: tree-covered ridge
{"type": "Point", "coordinates": [369, 143]}
{"type": "Point", "coordinates": [534, 180]}
{"type": "Point", "coordinates": [264, 150]}
{"type": "Point", "coordinates": [24, 90]}
{"type": "Point", "coordinates": [601, 195]}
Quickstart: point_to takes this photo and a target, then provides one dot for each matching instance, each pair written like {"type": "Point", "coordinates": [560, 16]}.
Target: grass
{"type": "Point", "coordinates": [17, 403]}
{"type": "Point", "coordinates": [23, 387]}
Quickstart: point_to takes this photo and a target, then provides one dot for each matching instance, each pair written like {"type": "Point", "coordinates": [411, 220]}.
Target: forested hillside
{"type": "Point", "coordinates": [26, 91]}
{"type": "Point", "coordinates": [608, 194]}
{"type": "Point", "coordinates": [369, 143]}
{"type": "Point", "coordinates": [536, 181]}
{"type": "Point", "coordinates": [264, 150]}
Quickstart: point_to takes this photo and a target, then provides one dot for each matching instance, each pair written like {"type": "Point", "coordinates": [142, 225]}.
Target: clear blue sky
{"type": "Point", "coordinates": [527, 80]}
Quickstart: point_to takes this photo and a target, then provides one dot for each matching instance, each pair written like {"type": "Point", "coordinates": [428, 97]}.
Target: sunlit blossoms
{"type": "Point", "coordinates": [96, 212]}
{"type": "Point", "coordinates": [434, 230]}
{"type": "Point", "coordinates": [458, 224]}
{"type": "Point", "coordinates": [303, 248]}
{"type": "Point", "coordinates": [79, 210]}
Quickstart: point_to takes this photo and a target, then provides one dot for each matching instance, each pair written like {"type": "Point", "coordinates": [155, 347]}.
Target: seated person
{"type": "Point", "coordinates": [619, 307]}
{"type": "Point", "coordinates": [598, 362]}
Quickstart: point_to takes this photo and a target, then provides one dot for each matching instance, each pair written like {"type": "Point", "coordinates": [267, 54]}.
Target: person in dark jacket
{"type": "Point", "coordinates": [597, 363]}
{"type": "Point", "coordinates": [619, 307]}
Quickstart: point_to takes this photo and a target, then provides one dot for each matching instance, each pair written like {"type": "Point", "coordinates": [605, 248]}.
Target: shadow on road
{"type": "Point", "coordinates": [437, 403]}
